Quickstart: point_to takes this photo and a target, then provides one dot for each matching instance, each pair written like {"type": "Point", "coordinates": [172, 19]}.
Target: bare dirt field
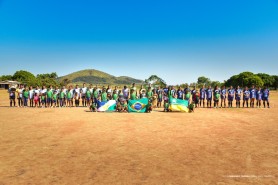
{"type": "Point", "coordinates": [73, 146]}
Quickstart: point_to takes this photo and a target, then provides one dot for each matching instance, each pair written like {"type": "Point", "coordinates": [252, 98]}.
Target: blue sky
{"type": "Point", "coordinates": [176, 40]}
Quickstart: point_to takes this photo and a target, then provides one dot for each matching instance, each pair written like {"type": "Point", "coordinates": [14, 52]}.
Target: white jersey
{"type": "Point", "coordinates": [109, 91]}
{"type": "Point", "coordinates": [65, 91]}
{"type": "Point", "coordinates": [43, 91]}
{"type": "Point", "coordinates": [37, 91]}
{"type": "Point", "coordinates": [125, 92]}
{"type": "Point", "coordinates": [84, 90]}
{"type": "Point", "coordinates": [31, 94]}
{"type": "Point", "coordinates": [76, 90]}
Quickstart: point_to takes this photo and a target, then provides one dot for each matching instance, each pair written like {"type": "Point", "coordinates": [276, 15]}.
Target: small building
{"type": "Point", "coordinates": [8, 83]}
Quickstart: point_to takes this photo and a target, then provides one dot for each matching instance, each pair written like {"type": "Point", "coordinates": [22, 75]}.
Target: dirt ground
{"type": "Point", "coordinates": [73, 146]}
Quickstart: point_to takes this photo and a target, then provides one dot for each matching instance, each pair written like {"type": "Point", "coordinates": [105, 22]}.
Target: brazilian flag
{"type": "Point", "coordinates": [140, 105]}
{"type": "Point", "coordinates": [178, 105]}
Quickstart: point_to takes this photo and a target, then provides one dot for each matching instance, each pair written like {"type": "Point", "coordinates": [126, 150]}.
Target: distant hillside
{"type": "Point", "coordinates": [97, 77]}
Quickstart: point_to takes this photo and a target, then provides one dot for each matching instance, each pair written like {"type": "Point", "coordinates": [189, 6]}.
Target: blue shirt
{"type": "Point", "coordinates": [223, 92]}
{"type": "Point", "coordinates": [186, 90]}
{"type": "Point", "coordinates": [180, 94]}
{"type": "Point", "coordinates": [238, 92]}
{"type": "Point", "coordinates": [202, 93]}
{"type": "Point", "coordinates": [165, 90]}
{"type": "Point", "coordinates": [246, 94]}
{"type": "Point", "coordinates": [231, 92]}
{"type": "Point", "coordinates": [209, 93]}
{"type": "Point", "coordinates": [259, 95]}
{"type": "Point", "coordinates": [252, 93]}
{"type": "Point", "coordinates": [265, 93]}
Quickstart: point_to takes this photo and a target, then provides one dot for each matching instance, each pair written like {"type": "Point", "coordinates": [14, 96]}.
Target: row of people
{"type": "Point", "coordinates": [49, 97]}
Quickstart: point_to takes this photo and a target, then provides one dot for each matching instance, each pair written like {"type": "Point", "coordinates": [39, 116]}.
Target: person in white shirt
{"type": "Point", "coordinates": [31, 96]}
{"type": "Point", "coordinates": [76, 92]}
{"type": "Point", "coordinates": [126, 92]}
{"type": "Point", "coordinates": [83, 95]}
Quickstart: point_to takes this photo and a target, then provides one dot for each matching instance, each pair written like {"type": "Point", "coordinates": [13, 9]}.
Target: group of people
{"type": "Point", "coordinates": [47, 97]}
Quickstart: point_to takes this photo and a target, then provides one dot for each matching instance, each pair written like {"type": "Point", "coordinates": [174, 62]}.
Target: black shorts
{"type": "Point", "coordinates": [12, 97]}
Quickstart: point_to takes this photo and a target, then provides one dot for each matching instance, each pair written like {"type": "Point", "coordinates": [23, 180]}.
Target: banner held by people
{"type": "Point", "coordinates": [140, 105]}
{"type": "Point", "coordinates": [178, 105]}
{"type": "Point", "coordinates": [107, 106]}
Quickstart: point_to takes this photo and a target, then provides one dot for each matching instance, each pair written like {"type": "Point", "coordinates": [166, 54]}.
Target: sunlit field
{"type": "Point", "coordinates": [75, 146]}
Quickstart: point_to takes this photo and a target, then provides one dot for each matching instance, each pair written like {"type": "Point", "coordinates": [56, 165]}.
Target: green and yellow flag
{"type": "Point", "coordinates": [178, 105]}
{"type": "Point", "coordinates": [140, 105]}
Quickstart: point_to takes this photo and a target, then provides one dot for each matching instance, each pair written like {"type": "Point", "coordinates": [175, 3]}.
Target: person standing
{"type": "Point", "coordinates": [231, 93]}
{"type": "Point", "coordinates": [238, 96]}
{"type": "Point", "coordinates": [223, 96]}
{"type": "Point", "coordinates": [180, 94]}
{"type": "Point", "coordinates": [259, 95]}
{"type": "Point", "coordinates": [266, 97]}
{"type": "Point", "coordinates": [31, 96]}
{"type": "Point", "coordinates": [83, 95]}
{"type": "Point", "coordinates": [126, 92]}
{"type": "Point", "coordinates": [252, 96]}
{"type": "Point", "coordinates": [246, 96]}
{"type": "Point", "coordinates": [216, 96]}
{"type": "Point", "coordinates": [209, 96]}
{"type": "Point", "coordinates": [11, 92]}
{"type": "Point", "coordinates": [202, 96]}
{"type": "Point", "coordinates": [25, 97]}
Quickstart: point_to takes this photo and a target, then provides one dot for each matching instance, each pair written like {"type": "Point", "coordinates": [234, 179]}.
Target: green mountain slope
{"type": "Point", "coordinates": [97, 77]}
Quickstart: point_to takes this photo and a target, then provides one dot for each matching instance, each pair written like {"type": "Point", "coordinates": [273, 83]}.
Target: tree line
{"type": "Point", "coordinates": [243, 79]}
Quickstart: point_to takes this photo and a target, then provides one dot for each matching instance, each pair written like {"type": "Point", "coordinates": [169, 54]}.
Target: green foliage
{"type": "Point", "coordinates": [6, 77]}
{"type": "Point", "coordinates": [245, 79]}
{"type": "Point", "coordinates": [203, 80]}
{"type": "Point", "coordinates": [48, 75]}
{"type": "Point", "coordinates": [184, 85]}
{"type": "Point", "coordinates": [92, 76]}
{"type": "Point", "coordinates": [267, 79]}
{"type": "Point", "coordinates": [155, 80]}
{"type": "Point", "coordinates": [25, 77]}
{"type": "Point", "coordinates": [275, 83]}
{"type": "Point", "coordinates": [65, 82]}
{"type": "Point", "coordinates": [215, 83]}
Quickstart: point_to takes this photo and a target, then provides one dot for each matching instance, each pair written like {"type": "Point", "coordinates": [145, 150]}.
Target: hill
{"type": "Point", "coordinates": [97, 77]}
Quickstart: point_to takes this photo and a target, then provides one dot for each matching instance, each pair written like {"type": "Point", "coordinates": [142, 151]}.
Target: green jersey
{"type": "Point", "coordinates": [133, 96]}
{"type": "Point", "coordinates": [69, 95]}
{"type": "Point", "coordinates": [170, 94]}
{"type": "Point", "coordinates": [55, 97]}
{"type": "Point", "coordinates": [26, 94]}
{"type": "Point", "coordinates": [49, 94]}
{"type": "Point", "coordinates": [104, 96]}
{"type": "Point", "coordinates": [62, 95]}
{"type": "Point", "coordinates": [95, 94]}
{"type": "Point", "coordinates": [149, 94]}
{"type": "Point", "coordinates": [88, 94]}
{"type": "Point", "coordinates": [43, 98]}
{"type": "Point", "coordinates": [115, 96]}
